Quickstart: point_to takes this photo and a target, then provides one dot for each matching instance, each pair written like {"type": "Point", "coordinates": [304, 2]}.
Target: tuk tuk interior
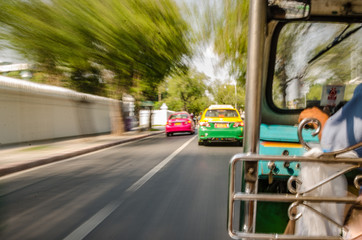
{"type": "Point", "coordinates": [301, 54]}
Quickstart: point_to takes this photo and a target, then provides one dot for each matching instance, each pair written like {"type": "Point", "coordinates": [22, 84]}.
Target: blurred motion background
{"type": "Point", "coordinates": [170, 52]}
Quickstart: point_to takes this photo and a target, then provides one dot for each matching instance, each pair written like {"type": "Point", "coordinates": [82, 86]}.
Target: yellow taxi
{"type": "Point", "coordinates": [220, 123]}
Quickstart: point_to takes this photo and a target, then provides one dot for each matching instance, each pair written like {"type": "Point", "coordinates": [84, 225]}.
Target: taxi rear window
{"type": "Point", "coordinates": [175, 116]}
{"type": "Point", "coordinates": [221, 113]}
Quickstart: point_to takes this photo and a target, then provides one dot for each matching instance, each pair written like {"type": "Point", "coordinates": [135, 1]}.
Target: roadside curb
{"type": "Point", "coordinates": [36, 163]}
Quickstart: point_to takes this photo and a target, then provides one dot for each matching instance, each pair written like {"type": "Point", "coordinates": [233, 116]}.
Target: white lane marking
{"type": "Point", "coordinates": [83, 230]}
{"type": "Point", "coordinates": [154, 170]}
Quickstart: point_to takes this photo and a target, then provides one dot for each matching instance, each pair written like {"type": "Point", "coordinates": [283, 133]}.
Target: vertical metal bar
{"type": "Point", "coordinates": [231, 197]}
{"type": "Point", "coordinates": [256, 39]}
{"type": "Point", "coordinates": [257, 28]}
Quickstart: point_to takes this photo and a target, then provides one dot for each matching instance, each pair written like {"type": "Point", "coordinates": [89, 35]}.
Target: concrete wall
{"type": "Point", "coordinates": [30, 112]}
{"type": "Point", "coordinates": [159, 117]}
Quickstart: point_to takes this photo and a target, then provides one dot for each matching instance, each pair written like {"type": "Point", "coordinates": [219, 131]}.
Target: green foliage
{"type": "Point", "coordinates": [331, 67]}
{"type": "Point", "coordinates": [284, 57]}
{"type": "Point", "coordinates": [144, 40]}
{"type": "Point", "coordinates": [315, 92]}
{"type": "Point", "coordinates": [187, 92]}
{"type": "Point", "coordinates": [87, 82]}
{"type": "Point", "coordinates": [225, 93]}
{"type": "Point", "coordinates": [232, 36]}
{"type": "Point", "coordinates": [338, 58]}
{"type": "Point", "coordinates": [14, 74]}
{"type": "Point", "coordinates": [224, 25]}
{"type": "Point", "coordinates": [228, 25]}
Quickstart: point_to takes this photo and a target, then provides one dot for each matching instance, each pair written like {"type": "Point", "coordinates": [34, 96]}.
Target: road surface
{"type": "Point", "coordinates": [157, 188]}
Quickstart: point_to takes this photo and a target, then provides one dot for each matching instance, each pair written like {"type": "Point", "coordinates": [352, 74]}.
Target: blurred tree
{"type": "Point", "coordinates": [315, 92]}
{"type": "Point", "coordinates": [226, 23]}
{"type": "Point", "coordinates": [188, 92]}
{"type": "Point", "coordinates": [224, 93]}
{"type": "Point", "coordinates": [139, 41]}
{"type": "Point", "coordinates": [331, 67]}
{"type": "Point", "coordinates": [284, 58]}
{"type": "Point", "coordinates": [231, 37]}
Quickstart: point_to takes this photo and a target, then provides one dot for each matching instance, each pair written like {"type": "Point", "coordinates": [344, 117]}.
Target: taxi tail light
{"type": "Point", "coordinates": [238, 124]}
{"type": "Point", "coordinates": [205, 124]}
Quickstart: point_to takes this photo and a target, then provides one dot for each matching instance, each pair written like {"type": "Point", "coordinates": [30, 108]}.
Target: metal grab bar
{"type": "Point", "coordinates": [254, 197]}
{"type": "Point", "coordinates": [239, 196]}
{"type": "Point", "coordinates": [248, 157]}
{"type": "Point", "coordinates": [264, 236]}
{"type": "Point", "coordinates": [301, 125]}
{"type": "Point", "coordinates": [321, 183]}
{"type": "Point", "coordinates": [295, 204]}
{"type": "Point", "coordinates": [357, 183]}
{"type": "Point", "coordinates": [316, 122]}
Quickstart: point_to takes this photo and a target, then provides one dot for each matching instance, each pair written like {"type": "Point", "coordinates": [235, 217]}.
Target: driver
{"type": "Point", "coordinates": [340, 131]}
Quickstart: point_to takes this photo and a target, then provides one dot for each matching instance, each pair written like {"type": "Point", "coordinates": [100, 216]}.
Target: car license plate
{"type": "Point", "coordinates": [177, 124]}
{"type": "Point", "coordinates": [221, 125]}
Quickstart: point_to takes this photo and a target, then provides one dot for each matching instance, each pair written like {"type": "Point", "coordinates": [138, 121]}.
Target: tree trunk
{"type": "Point", "coordinates": [150, 120]}
{"type": "Point", "coordinates": [117, 123]}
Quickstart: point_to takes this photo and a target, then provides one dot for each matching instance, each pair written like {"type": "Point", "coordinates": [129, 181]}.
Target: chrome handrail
{"type": "Point", "coordinates": [298, 198]}
{"type": "Point", "coordinates": [330, 178]}
{"type": "Point", "coordinates": [316, 122]}
{"type": "Point", "coordinates": [302, 124]}
{"type": "Point", "coordinates": [295, 204]}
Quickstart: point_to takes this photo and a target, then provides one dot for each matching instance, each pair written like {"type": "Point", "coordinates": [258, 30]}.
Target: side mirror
{"type": "Point", "coordinates": [288, 9]}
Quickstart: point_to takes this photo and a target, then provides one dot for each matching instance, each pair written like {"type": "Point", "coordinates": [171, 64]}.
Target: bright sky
{"type": "Point", "coordinates": [208, 65]}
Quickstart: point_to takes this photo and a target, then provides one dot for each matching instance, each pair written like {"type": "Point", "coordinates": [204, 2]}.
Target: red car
{"type": "Point", "coordinates": [180, 122]}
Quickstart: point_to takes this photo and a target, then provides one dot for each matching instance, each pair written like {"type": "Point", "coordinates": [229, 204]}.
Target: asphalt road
{"type": "Point", "coordinates": [157, 188]}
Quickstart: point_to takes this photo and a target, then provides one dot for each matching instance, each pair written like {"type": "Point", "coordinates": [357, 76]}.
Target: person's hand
{"type": "Point", "coordinates": [316, 113]}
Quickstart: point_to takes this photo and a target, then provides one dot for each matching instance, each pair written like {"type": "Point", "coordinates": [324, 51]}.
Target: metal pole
{"type": "Point", "coordinates": [257, 28]}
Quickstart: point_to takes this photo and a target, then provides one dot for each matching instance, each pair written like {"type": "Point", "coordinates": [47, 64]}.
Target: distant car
{"type": "Point", "coordinates": [180, 122]}
{"type": "Point", "coordinates": [220, 123]}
